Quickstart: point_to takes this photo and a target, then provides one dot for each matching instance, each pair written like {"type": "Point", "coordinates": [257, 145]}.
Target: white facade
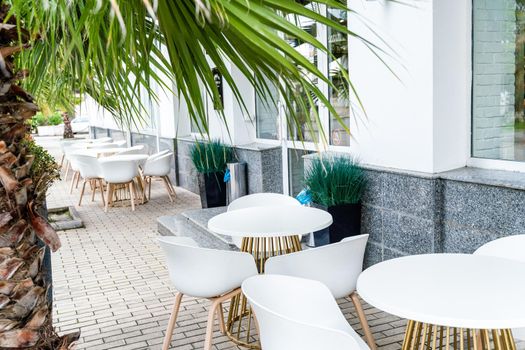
{"type": "Point", "coordinates": [418, 116]}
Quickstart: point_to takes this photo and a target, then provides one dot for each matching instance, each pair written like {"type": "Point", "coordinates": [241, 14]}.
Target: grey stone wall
{"type": "Point", "coordinates": [264, 167]}
{"type": "Point", "coordinates": [494, 33]}
{"type": "Point", "coordinates": [451, 212]}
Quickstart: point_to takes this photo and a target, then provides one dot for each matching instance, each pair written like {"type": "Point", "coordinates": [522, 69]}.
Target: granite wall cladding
{"type": "Point", "coordinates": [264, 167]}
{"type": "Point", "coordinates": [409, 214]}
{"type": "Point", "coordinates": [117, 135]}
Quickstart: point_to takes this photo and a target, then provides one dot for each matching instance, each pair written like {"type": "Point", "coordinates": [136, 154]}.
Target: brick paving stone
{"type": "Point", "coordinates": [110, 281]}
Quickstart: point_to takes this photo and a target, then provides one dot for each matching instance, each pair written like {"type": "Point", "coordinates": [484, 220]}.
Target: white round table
{"type": "Point", "coordinates": [270, 221]}
{"type": "Point", "coordinates": [266, 231]}
{"type": "Point", "coordinates": [463, 300]}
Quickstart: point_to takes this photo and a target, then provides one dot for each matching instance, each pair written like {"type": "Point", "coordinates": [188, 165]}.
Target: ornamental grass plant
{"type": "Point", "coordinates": [335, 181]}
{"type": "Point", "coordinates": [211, 157]}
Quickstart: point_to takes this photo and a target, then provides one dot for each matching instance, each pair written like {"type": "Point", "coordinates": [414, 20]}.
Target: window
{"type": "Point", "coordinates": [337, 68]}
{"type": "Point", "coordinates": [296, 170]}
{"type": "Point", "coordinates": [498, 92]}
{"type": "Point", "coordinates": [267, 114]}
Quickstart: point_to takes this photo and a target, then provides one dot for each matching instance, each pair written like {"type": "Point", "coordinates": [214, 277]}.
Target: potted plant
{"type": "Point", "coordinates": [337, 183]}
{"type": "Point", "coordinates": [210, 159]}
{"type": "Point", "coordinates": [48, 125]}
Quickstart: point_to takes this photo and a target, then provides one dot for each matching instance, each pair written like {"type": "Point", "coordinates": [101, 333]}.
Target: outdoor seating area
{"type": "Point", "coordinates": [271, 290]}
{"type": "Point", "coordinates": [119, 173]}
{"type": "Point", "coordinates": [262, 175]}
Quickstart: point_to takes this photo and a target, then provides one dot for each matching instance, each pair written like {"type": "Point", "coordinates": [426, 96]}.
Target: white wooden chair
{"type": "Point", "coordinates": [336, 265]}
{"type": "Point", "coordinates": [204, 273]}
{"type": "Point", "coordinates": [298, 314]}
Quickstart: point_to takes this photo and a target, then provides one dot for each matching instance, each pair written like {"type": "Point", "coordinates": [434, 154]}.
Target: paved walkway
{"type": "Point", "coordinates": [110, 281]}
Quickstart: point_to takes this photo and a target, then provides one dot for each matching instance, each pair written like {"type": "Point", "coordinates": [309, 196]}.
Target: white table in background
{"type": "Point", "coordinates": [137, 158]}
{"type": "Point", "coordinates": [265, 231]}
{"type": "Point", "coordinates": [451, 300]}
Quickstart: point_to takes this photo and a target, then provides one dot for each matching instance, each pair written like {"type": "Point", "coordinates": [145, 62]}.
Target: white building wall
{"type": "Point", "coordinates": [417, 121]}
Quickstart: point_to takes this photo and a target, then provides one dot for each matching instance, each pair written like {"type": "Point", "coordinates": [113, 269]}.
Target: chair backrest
{"type": "Point", "coordinates": [121, 143]}
{"type": "Point", "coordinates": [158, 154]}
{"type": "Point", "coordinates": [88, 166]}
{"type": "Point", "coordinates": [262, 200]}
{"type": "Point", "coordinates": [336, 265]}
{"type": "Point", "coordinates": [202, 272]}
{"type": "Point", "coordinates": [158, 166]}
{"type": "Point", "coordinates": [118, 171]}
{"type": "Point", "coordinates": [102, 145]}
{"type": "Point", "coordinates": [138, 149]}
{"type": "Point", "coordinates": [102, 140]}
{"type": "Point", "coordinates": [297, 314]}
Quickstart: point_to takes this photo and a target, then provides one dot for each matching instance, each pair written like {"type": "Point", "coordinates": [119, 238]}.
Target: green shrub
{"type": "Point", "coordinates": [39, 119]}
{"type": "Point", "coordinates": [210, 157]}
{"type": "Point", "coordinates": [55, 119]}
{"type": "Point", "coordinates": [335, 181]}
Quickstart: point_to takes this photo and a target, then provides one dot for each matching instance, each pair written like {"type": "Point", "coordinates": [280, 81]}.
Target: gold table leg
{"type": "Point", "coordinates": [424, 336]}
{"type": "Point", "coordinates": [239, 322]}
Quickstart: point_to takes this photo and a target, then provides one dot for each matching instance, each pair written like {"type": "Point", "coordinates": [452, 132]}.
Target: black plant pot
{"type": "Point", "coordinates": [214, 190]}
{"type": "Point", "coordinates": [347, 221]}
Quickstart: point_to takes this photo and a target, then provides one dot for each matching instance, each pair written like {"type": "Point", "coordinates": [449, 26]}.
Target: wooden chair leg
{"type": "Point", "coordinates": [78, 179]}
{"type": "Point", "coordinates": [101, 185]}
{"type": "Point", "coordinates": [93, 184]}
{"type": "Point", "coordinates": [137, 192]}
{"type": "Point", "coordinates": [172, 187]}
{"type": "Point", "coordinates": [172, 321]}
{"type": "Point", "coordinates": [149, 188]}
{"type": "Point", "coordinates": [62, 160]}
{"type": "Point", "coordinates": [167, 187]}
{"type": "Point", "coordinates": [73, 182]}
{"type": "Point", "coordinates": [364, 323]}
{"type": "Point", "coordinates": [82, 192]}
{"type": "Point", "coordinates": [220, 316]}
{"type": "Point", "coordinates": [67, 170]}
{"type": "Point", "coordinates": [109, 194]}
{"type": "Point", "coordinates": [132, 195]}
{"type": "Point", "coordinates": [209, 325]}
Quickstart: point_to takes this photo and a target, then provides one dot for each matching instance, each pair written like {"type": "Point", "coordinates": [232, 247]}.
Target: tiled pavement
{"type": "Point", "coordinates": [111, 284]}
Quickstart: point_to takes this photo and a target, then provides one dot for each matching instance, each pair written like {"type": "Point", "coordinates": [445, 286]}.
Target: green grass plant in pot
{"type": "Point", "coordinates": [337, 183]}
{"type": "Point", "coordinates": [210, 159]}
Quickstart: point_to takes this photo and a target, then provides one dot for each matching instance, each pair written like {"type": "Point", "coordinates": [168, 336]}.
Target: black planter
{"type": "Point", "coordinates": [214, 190]}
{"type": "Point", "coordinates": [347, 221]}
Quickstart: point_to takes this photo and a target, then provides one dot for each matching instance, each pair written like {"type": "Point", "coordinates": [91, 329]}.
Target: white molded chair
{"type": "Point", "coordinates": [91, 172]}
{"type": "Point", "coordinates": [119, 172]}
{"type": "Point", "coordinates": [159, 167]}
{"type": "Point", "coordinates": [260, 200]}
{"type": "Point", "coordinates": [298, 314]}
{"type": "Point", "coordinates": [73, 165]}
{"type": "Point", "coordinates": [513, 248]}
{"type": "Point", "coordinates": [336, 265]}
{"type": "Point", "coordinates": [158, 154]}
{"type": "Point", "coordinates": [102, 140]}
{"type": "Point", "coordinates": [204, 273]}
{"type": "Point", "coordinates": [138, 149]}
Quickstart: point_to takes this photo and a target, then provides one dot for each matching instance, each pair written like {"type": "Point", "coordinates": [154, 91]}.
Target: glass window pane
{"type": "Point", "coordinates": [498, 125]}
{"type": "Point", "coordinates": [338, 46]}
{"type": "Point", "coordinates": [305, 131]}
{"type": "Point", "coordinates": [296, 170]}
{"type": "Point", "coordinates": [267, 114]}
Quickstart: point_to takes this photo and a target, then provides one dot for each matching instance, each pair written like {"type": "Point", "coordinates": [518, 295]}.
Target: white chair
{"type": "Point", "coordinates": [336, 265]}
{"type": "Point", "coordinates": [158, 154]}
{"type": "Point", "coordinates": [91, 172]}
{"type": "Point", "coordinates": [101, 140]}
{"type": "Point", "coordinates": [159, 167]}
{"type": "Point", "coordinates": [513, 248]}
{"type": "Point", "coordinates": [73, 165]}
{"type": "Point", "coordinates": [260, 200]}
{"type": "Point", "coordinates": [138, 149]}
{"type": "Point", "coordinates": [121, 143]}
{"type": "Point", "coordinates": [298, 314]}
{"type": "Point", "coordinates": [204, 273]}
{"type": "Point", "coordinates": [119, 172]}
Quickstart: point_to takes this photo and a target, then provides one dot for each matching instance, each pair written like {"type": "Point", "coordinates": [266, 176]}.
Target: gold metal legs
{"type": "Point", "coordinates": [241, 326]}
{"type": "Point", "coordinates": [424, 336]}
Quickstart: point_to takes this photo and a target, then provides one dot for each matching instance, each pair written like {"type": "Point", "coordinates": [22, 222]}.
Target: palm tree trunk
{"type": "Point", "coordinates": [25, 312]}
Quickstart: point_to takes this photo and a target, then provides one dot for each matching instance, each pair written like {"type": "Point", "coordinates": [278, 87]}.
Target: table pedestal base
{"type": "Point", "coordinates": [424, 336]}
{"type": "Point", "coordinates": [241, 325]}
